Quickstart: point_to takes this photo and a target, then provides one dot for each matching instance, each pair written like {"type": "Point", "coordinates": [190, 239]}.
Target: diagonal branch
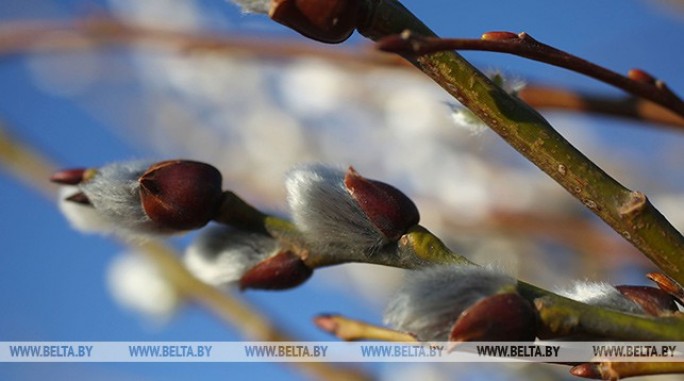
{"type": "Point", "coordinates": [636, 82]}
{"type": "Point", "coordinates": [627, 212]}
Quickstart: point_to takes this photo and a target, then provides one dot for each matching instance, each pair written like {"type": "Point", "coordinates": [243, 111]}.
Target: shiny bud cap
{"type": "Point", "coordinates": [387, 208]}
{"type": "Point", "coordinates": [329, 21]}
{"type": "Point", "coordinates": [653, 300]}
{"type": "Point", "coordinates": [588, 370]}
{"type": "Point", "coordinates": [281, 271]}
{"type": "Point", "coordinates": [668, 285]}
{"type": "Point", "coordinates": [180, 194]}
{"type": "Point", "coordinates": [73, 176]}
{"type": "Point", "coordinates": [641, 76]}
{"type": "Point", "coordinates": [499, 36]}
{"type": "Point", "coordinates": [501, 317]}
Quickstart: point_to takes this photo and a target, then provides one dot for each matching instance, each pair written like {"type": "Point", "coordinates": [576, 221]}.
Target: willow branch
{"type": "Point", "coordinates": [34, 169]}
{"type": "Point", "coordinates": [628, 212]}
{"type": "Point", "coordinates": [548, 97]}
{"type": "Point", "coordinates": [563, 317]}
{"type": "Point", "coordinates": [22, 37]}
{"type": "Point", "coordinates": [637, 82]}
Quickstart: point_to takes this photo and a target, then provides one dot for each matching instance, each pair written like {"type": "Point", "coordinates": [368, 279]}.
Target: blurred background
{"type": "Point", "coordinates": [85, 83]}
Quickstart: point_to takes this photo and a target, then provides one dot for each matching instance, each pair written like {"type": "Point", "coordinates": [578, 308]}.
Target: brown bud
{"type": "Point", "coordinates": [498, 36]}
{"type": "Point", "coordinates": [587, 370]}
{"type": "Point", "coordinates": [72, 176]}
{"type": "Point", "coordinates": [388, 209]}
{"type": "Point", "coordinates": [668, 285]}
{"type": "Point", "coordinates": [180, 194]}
{"type": "Point", "coordinates": [501, 317]}
{"type": "Point", "coordinates": [653, 300]}
{"type": "Point", "coordinates": [281, 271]}
{"type": "Point", "coordinates": [641, 76]}
{"type": "Point", "coordinates": [329, 21]}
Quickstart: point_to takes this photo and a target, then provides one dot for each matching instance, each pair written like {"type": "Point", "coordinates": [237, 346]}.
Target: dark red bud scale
{"type": "Point", "coordinates": [668, 285]}
{"type": "Point", "coordinates": [498, 36]}
{"type": "Point", "coordinates": [388, 209]}
{"type": "Point", "coordinates": [180, 194]}
{"type": "Point", "coordinates": [641, 76]}
{"type": "Point", "coordinates": [329, 21]}
{"type": "Point", "coordinates": [281, 271]}
{"type": "Point", "coordinates": [653, 300]}
{"type": "Point", "coordinates": [502, 317]}
{"type": "Point", "coordinates": [72, 176]}
{"type": "Point", "coordinates": [587, 370]}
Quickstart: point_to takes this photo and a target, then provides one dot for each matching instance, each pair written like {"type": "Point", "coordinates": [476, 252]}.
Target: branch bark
{"type": "Point", "coordinates": [628, 212]}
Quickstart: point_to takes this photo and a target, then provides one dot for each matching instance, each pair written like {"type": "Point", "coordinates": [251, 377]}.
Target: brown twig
{"type": "Point", "coordinates": [637, 82]}
{"type": "Point", "coordinates": [35, 37]}
{"type": "Point", "coordinates": [547, 97]}
{"type": "Point", "coordinates": [22, 37]}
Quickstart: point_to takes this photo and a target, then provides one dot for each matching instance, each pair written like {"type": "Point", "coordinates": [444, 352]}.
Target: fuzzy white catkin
{"type": "Point", "coordinates": [325, 212]}
{"type": "Point", "coordinates": [83, 218]}
{"type": "Point", "coordinates": [253, 6]}
{"type": "Point", "coordinates": [115, 205]}
{"type": "Point", "coordinates": [137, 284]}
{"type": "Point", "coordinates": [114, 192]}
{"type": "Point", "coordinates": [600, 294]}
{"type": "Point", "coordinates": [431, 299]}
{"type": "Point", "coordinates": [221, 255]}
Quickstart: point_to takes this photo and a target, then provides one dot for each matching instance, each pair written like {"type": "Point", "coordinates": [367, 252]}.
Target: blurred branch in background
{"type": "Point", "coordinates": [35, 36]}
{"type": "Point", "coordinates": [34, 169]}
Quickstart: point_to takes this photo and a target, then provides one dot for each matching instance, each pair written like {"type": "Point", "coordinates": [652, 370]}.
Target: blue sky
{"type": "Point", "coordinates": [52, 278]}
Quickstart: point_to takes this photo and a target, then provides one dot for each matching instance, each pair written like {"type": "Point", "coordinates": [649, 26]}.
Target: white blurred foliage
{"type": "Point", "coordinates": [257, 6]}
{"type": "Point", "coordinates": [137, 284]}
{"type": "Point", "coordinates": [64, 74]}
{"type": "Point", "coordinates": [163, 13]}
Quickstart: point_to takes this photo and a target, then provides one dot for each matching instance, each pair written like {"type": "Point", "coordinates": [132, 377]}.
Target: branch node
{"type": "Point", "coordinates": [635, 204]}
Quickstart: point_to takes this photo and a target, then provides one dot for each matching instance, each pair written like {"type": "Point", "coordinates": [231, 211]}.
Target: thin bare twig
{"type": "Point", "coordinates": [38, 37]}
{"type": "Point", "coordinates": [637, 82]}
{"type": "Point", "coordinates": [548, 97]}
{"type": "Point", "coordinates": [22, 37]}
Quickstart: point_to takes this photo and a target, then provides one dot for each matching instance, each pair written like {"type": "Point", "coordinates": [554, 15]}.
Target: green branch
{"type": "Point", "coordinates": [626, 211]}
